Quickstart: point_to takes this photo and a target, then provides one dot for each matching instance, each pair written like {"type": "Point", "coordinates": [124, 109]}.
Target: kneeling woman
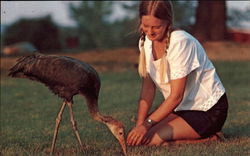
{"type": "Point", "coordinates": [195, 104]}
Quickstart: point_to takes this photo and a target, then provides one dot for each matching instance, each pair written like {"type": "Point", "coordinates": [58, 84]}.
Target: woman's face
{"type": "Point", "coordinates": [153, 27]}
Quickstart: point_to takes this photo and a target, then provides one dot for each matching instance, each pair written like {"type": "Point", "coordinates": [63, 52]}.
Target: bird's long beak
{"type": "Point", "coordinates": [123, 145]}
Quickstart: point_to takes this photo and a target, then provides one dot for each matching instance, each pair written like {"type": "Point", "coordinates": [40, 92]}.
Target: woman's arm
{"type": "Point", "coordinates": [147, 95]}
{"type": "Point", "coordinates": [175, 97]}
{"type": "Point", "coordinates": [146, 99]}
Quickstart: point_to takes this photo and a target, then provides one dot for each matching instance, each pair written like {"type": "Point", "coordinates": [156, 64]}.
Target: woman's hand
{"type": "Point", "coordinates": [136, 135]}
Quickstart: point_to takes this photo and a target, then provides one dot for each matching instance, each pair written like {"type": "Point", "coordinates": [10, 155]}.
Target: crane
{"type": "Point", "coordinates": [66, 77]}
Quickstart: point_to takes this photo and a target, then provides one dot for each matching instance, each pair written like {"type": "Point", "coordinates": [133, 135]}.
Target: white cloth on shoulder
{"type": "Point", "coordinates": [186, 56]}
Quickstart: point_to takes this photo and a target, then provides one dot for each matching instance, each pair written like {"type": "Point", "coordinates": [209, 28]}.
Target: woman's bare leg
{"type": "Point", "coordinates": [178, 131]}
{"type": "Point", "coordinates": [193, 141]}
{"type": "Point", "coordinates": [175, 128]}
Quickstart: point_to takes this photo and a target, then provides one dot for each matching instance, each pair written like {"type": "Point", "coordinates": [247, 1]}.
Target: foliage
{"type": "Point", "coordinates": [42, 32]}
{"type": "Point", "coordinates": [184, 12]}
{"type": "Point", "coordinates": [97, 31]}
{"type": "Point", "coordinates": [236, 17]}
{"type": "Point", "coordinates": [93, 26]}
{"type": "Point", "coordinates": [126, 29]}
{"type": "Point", "coordinates": [28, 112]}
{"type": "Point", "coordinates": [124, 33]}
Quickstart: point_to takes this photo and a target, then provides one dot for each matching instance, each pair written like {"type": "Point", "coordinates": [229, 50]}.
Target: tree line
{"type": "Point", "coordinates": [206, 20]}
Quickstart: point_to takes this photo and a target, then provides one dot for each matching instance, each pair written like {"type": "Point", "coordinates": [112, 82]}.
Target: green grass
{"type": "Point", "coordinates": [28, 111]}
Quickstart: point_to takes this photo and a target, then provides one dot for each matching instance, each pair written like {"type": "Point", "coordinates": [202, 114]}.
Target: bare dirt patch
{"type": "Point", "coordinates": [122, 59]}
{"type": "Point", "coordinates": [110, 60]}
{"type": "Point", "coordinates": [227, 51]}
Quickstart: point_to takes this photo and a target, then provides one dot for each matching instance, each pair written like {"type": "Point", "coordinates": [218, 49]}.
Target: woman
{"type": "Point", "coordinates": [195, 105]}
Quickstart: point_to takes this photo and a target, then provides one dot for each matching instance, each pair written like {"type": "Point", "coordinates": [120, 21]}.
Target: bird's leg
{"type": "Point", "coordinates": [74, 124]}
{"type": "Point", "coordinates": [58, 120]}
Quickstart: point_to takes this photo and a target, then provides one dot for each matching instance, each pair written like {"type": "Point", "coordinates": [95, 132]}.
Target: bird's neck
{"type": "Point", "coordinates": [94, 111]}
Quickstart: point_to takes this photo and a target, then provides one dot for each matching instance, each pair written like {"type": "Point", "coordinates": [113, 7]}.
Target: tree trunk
{"type": "Point", "coordinates": [218, 20]}
{"type": "Point", "coordinates": [210, 21]}
{"type": "Point", "coordinates": [202, 19]}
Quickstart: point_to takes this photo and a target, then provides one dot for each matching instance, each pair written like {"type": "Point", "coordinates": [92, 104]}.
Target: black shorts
{"type": "Point", "coordinates": [209, 122]}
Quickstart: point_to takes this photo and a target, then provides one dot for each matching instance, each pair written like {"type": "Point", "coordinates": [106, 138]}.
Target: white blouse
{"type": "Point", "coordinates": [186, 56]}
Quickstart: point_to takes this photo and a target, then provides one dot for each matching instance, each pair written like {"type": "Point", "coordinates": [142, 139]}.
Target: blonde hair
{"type": "Point", "coordinates": [163, 11]}
{"type": "Point", "coordinates": [142, 58]}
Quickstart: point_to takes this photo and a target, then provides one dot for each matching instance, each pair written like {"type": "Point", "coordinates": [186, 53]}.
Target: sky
{"type": "Point", "coordinates": [14, 10]}
{"type": "Point", "coordinates": [59, 10]}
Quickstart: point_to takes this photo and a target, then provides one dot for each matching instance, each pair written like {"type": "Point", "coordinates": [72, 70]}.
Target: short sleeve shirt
{"type": "Point", "coordinates": [185, 56]}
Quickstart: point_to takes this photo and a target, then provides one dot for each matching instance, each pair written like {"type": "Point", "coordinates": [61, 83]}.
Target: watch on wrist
{"type": "Point", "coordinates": [148, 123]}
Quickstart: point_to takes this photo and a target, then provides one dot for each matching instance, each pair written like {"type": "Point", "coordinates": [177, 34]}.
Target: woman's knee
{"type": "Point", "coordinates": [156, 140]}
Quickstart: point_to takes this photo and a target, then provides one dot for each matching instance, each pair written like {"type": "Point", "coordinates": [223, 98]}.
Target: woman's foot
{"type": "Point", "coordinates": [219, 136]}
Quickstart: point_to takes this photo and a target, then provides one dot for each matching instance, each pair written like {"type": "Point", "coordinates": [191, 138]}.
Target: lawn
{"type": "Point", "coordinates": [28, 111]}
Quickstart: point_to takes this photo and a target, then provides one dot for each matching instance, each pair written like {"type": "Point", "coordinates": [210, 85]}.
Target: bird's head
{"type": "Point", "coordinates": [117, 129]}
{"type": "Point", "coordinates": [23, 64]}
